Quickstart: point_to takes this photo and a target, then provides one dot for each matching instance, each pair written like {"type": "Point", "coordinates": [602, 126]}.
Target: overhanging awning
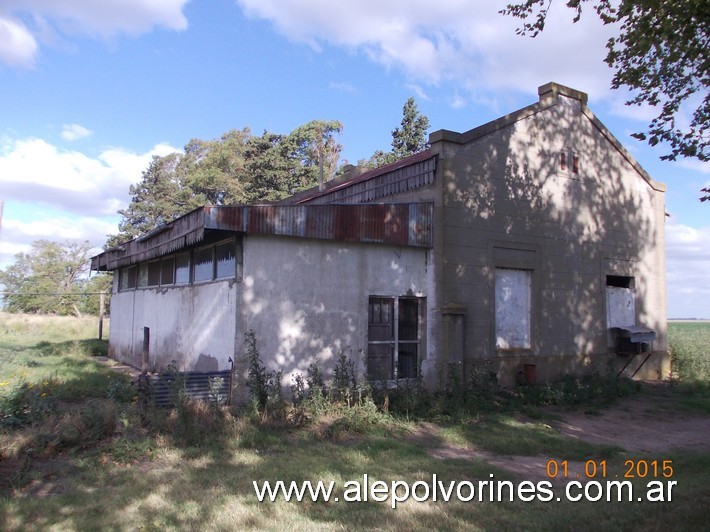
{"type": "Point", "coordinates": [401, 224]}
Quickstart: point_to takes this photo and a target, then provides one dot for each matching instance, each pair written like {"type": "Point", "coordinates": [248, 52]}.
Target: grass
{"type": "Point", "coordinates": [91, 460]}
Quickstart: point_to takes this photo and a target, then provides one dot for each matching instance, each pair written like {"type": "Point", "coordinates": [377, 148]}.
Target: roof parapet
{"type": "Point", "coordinates": [552, 89]}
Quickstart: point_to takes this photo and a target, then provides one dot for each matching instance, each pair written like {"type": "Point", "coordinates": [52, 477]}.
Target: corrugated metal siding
{"type": "Point", "coordinates": [402, 224]}
{"type": "Point", "coordinates": [377, 184]}
{"type": "Point", "coordinates": [178, 234]}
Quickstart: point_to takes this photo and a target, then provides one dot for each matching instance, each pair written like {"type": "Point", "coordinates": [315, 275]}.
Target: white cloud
{"type": "Point", "coordinates": [23, 21]}
{"type": "Point", "coordinates": [71, 132]}
{"type": "Point", "coordinates": [35, 170]}
{"type": "Point", "coordinates": [418, 90]}
{"type": "Point", "coordinates": [57, 194]}
{"type": "Point", "coordinates": [467, 43]}
{"type": "Point", "coordinates": [696, 165]}
{"type": "Point", "coordinates": [18, 47]}
{"type": "Point", "coordinates": [688, 271]}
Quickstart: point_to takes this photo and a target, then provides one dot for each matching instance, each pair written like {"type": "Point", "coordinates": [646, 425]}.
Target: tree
{"type": "Point", "coordinates": [408, 139]}
{"type": "Point", "coordinates": [661, 53]}
{"type": "Point", "coordinates": [48, 279]}
{"type": "Point", "coordinates": [411, 137]}
{"type": "Point", "coordinates": [317, 148]}
{"type": "Point", "coordinates": [213, 170]}
{"type": "Point", "coordinates": [236, 168]}
{"type": "Point", "coordinates": [161, 196]}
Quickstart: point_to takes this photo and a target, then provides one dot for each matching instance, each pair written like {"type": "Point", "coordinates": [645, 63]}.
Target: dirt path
{"type": "Point", "coordinates": [647, 423]}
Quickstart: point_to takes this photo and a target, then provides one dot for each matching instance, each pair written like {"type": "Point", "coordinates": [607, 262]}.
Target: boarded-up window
{"type": "Point", "coordinates": [620, 301]}
{"type": "Point", "coordinates": [512, 308]}
{"type": "Point", "coordinates": [393, 337]}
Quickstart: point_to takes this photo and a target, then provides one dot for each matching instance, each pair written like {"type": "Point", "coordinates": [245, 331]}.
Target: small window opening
{"type": "Point", "coordinates": [620, 281]}
{"type": "Point", "coordinates": [563, 161]}
{"type": "Point", "coordinates": [575, 164]}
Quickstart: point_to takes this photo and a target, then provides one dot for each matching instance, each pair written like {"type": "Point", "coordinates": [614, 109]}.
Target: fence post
{"type": "Point", "coordinates": [102, 310]}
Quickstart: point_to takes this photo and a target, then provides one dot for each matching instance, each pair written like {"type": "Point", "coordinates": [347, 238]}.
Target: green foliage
{"type": "Point", "coordinates": [48, 279]}
{"type": "Point", "coordinates": [237, 168]}
{"type": "Point", "coordinates": [589, 391]}
{"type": "Point", "coordinates": [411, 136]}
{"type": "Point", "coordinates": [407, 139]}
{"type": "Point", "coordinates": [660, 53]}
{"type": "Point", "coordinates": [264, 386]}
{"type": "Point", "coordinates": [26, 403]}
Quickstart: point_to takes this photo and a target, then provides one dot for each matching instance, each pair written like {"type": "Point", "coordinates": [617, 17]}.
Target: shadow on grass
{"type": "Point", "coordinates": [213, 488]}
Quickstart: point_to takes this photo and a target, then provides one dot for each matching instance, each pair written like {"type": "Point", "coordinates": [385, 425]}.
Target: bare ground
{"type": "Point", "coordinates": [647, 423]}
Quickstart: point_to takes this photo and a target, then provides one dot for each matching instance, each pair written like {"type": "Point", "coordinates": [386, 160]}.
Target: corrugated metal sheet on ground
{"type": "Point", "coordinates": [162, 389]}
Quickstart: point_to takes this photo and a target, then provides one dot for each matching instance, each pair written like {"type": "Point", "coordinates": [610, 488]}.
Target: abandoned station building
{"type": "Point", "coordinates": [523, 243]}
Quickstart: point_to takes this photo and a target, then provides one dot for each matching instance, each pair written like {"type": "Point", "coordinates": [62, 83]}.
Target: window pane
{"type": "Point", "coordinates": [143, 274]}
{"type": "Point", "coordinates": [408, 319]}
{"type": "Point", "coordinates": [167, 274]}
{"type": "Point", "coordinates": [154, 273]}
{"type": "Point", "coordinates": [226, 259]}
{"type": "Point", "coordinates": [131, 277]}
{"type": "Point", "coordinates": [202, 264]}
{"type": "Point", "coordinates": [123, 279]}
{"type": "Point", "coordinates": [182, 268]}
{"type": "Point", "coordinates": [380, 337]}
{"type": "Point", "coordinates": [407, 361]}
{"type": "Point", "coordinates": [513, 308]}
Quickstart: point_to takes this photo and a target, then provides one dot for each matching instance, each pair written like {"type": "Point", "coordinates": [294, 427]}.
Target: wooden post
{"type": "Point", "coordinates": [146, 349]}
{"type": "Point", "coordinates": [102, 310]}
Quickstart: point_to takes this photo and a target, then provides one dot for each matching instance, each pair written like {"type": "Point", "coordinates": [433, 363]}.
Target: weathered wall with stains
{"type": "Point", "coordinates": [193, 325]}
{"type": "Point", "coordinates": [508, 203]}
{"type": "Point", "coordinates": [307, 300]}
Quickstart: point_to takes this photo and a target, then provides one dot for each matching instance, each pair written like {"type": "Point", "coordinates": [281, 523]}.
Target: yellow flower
{"type": "Point", "coordinates": [43, 394]}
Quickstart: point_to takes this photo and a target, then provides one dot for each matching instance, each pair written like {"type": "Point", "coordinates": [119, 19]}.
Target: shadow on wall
{"type": "Point", "coordinates": [552, 183]}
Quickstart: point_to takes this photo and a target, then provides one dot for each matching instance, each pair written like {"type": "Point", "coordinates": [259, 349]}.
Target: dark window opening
{"type": "Point", "coordinates": [127, 280]}
{"type": "Point", "coordinates": [563, 161]}
{"type": "Point", "coordinates": [575, 164]}
{"type": "Point", "coordinates": [620, 281]}
{"type": "Point", "coordinates": [154, 273]}
{"type": "Point", "coordinates": [167, 273]}
{"type": "Point", "coordinates": [222, 260]}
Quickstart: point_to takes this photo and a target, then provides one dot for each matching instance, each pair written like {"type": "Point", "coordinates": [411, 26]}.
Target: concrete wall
{"type": "Point", "coordinates": [193, 325]}
{"type": "Point", "coordinates": [507, 203]}
{"type": "Point", "coordinates": [307, 300]}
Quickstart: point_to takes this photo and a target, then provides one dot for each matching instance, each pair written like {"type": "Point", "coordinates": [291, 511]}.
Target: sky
{"type": "Point", "coordinates": [90, 90]}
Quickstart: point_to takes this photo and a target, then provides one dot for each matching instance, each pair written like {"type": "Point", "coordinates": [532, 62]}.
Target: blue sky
{"type": "Point", "coordinates": [91, 89]}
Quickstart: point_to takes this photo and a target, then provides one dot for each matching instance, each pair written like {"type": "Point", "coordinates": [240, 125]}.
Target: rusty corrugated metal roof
{"type": "Point", "coordinates": [401, 224]}
{"type": "Point", "coordinates": [407, 174]}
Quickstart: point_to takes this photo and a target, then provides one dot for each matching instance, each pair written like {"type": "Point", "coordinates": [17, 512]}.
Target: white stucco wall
{"type": "Point", "coordinates": [193, 325]}
{"type": "Point", "coordinates": [307, 299]}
